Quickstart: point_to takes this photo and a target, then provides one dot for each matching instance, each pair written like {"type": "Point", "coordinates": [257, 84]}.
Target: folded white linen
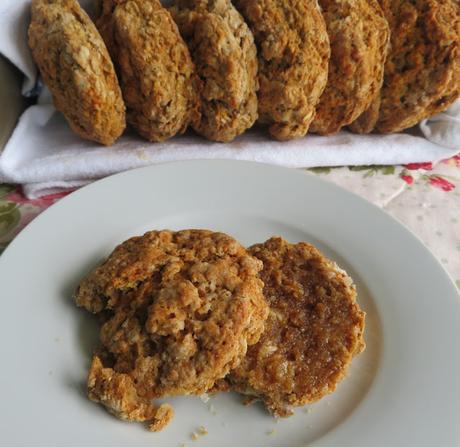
{"type": "Point", "coordinates": [45, 156]}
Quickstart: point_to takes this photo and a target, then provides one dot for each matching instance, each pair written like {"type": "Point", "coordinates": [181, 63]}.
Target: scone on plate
{"type": "Point", "coordinates": [223, 50]}
{"type": "Point", "coordinates": [359, 36]}
{"type": "Point", "coordinates": [293, 52]}
{"type": "Point", "coordinates": [422, 72]}
{"type": "Point", "coordinates": [313, 331]}
{"type": "Point", "coordinates": [157, 75]}
{"type": "Point", "coordinates": [75, 65]}
{"type": "Point", "coordinates": [179, 310]}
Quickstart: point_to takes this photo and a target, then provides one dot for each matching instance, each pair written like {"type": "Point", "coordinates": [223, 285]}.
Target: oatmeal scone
{"type": "Point", "coordinates": [314, 328]}
{"type": "Point", "coordinates": [157, 75]}
{"type": "Point", "coordinates": [422, 72]}
{"type": "Point", "coordinates": [359, 36]}
{"type": "Point", "coordinates": [75, 65]}
{"type": "Point", "coordinates": [179, 309]}
{"type": "Point", "coordinates": [224, 53]}
{"type": "Point", "coordinates": [293, 53]}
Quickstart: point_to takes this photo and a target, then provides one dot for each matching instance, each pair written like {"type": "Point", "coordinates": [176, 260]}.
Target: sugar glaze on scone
{"type": "Point", "coordinates": [314, 329]}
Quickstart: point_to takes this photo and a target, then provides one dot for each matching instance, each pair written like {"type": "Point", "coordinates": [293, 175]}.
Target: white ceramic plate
{"type": "Point", "coordinates": [404, 390]}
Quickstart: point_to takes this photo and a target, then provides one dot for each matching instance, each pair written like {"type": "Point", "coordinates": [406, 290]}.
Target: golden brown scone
{"type": "Point", "coordinates": [224, 53]}
{"type": "Point", "coordinates": [156, 72]}
{"type": "Point", "coordinates": [422, 72]}
{"type": "Point", "coordinates": [366, 121]}
{"type": "Point", "coordinates": [314, 328]}
{"type": "Point", "coordinates": [179, 308]}
{"type": "Point", "coordinates": [117, 392]}
{"type": "Point", "coordinates": [76, 67]}
{"type": "Point", "coordinates": [293, 52]}
{"type": "Point", "coordinates": [359, 36]}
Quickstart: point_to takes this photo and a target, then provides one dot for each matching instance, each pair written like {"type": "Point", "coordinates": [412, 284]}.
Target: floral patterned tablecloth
{"type": "Point", "coordinates": [423, 196]}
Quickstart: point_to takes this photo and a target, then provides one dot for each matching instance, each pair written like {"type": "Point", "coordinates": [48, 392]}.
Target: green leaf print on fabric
{"type": "Point", "coordinates": [388, 170]}
{"type": "Point", "coordinates": [370, 170]}
{"type": "Point", "coordinates": [373, 170]}
{"type": "Point", "coordinates": [359, 168]}
{"type": "Point", "coordinates": [9, 217]}
{"type": "Point", "coordinates": [5, 189]}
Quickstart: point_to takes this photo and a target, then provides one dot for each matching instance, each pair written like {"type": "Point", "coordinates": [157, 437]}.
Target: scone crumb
{"type": "Point", "coordinates": [212, 409]}
{"type": "Point", "coordinates": [249, 400]}
{"type": "Point", "coordinates": [271, 432]}
{"type": "Point", "coordinates": [202, 431]}
{"type": "Point", "coordinates": [162, 418]}
{"type": "Point", "coordinates": [142, 155]}
{"type": "Point", "coordinates": [205, 397]}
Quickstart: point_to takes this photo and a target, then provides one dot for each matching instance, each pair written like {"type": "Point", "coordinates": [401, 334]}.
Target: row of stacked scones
{"type": "Point", "coordinates": [219, 66]}
{"type": "Point", "coordinates": [193, 311]}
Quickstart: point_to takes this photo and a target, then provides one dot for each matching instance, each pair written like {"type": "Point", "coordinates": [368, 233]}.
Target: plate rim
{"type": "Point", "coordinates": [381, 213]}
{"type": "Point", "coordinates": [303, 171]}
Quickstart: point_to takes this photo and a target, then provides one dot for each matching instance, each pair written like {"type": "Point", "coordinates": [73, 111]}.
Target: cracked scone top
{"type": "Point", "coordinates": [313, 330]}
{"type": "Point", "coordinates": [359, 36]}
{"type": "Point", "coordinates": [224, 53]}
{"type": "Point", "coordinates": [293, 54]}
{"type": "Point", "coordinates": [422, 70]}
{"type": "Point", "coordinates": [157, 75]}
{"type": "Point", "coordinates": [179, 310]}
{"type": "Point", "coordinates": [75, 65]}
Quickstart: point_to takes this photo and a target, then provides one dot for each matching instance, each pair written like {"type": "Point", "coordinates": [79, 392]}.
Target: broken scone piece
{"type": "Point", "coordinates": [314, 329]}
{"type": "Point", "coordinates": [179, 310]}
{"type": "Point", "coordinates": [117, 392]}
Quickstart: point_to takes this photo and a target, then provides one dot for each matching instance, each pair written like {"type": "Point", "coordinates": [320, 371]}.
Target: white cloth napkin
{"type": "Point", "coordinates": [45, 156]}
{"type": "Point", "coordinates": [14, 19]}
